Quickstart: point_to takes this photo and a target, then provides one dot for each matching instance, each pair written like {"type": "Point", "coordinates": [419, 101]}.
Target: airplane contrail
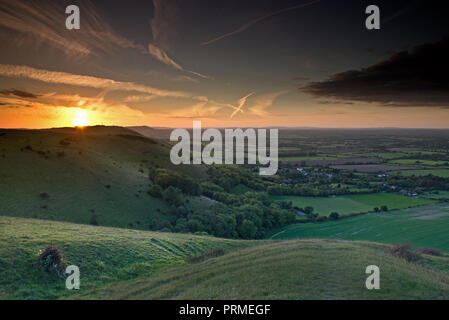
{"type": "Point", "coordinates": [256, 20]}
{"type": "Point", "coordinates": [241, 103]}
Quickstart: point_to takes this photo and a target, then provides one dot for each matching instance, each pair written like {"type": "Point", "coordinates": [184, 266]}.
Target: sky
{"type": "Point", "coordinates": [233, 63]}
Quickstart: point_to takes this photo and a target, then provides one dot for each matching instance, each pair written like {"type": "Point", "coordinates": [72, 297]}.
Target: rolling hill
{"type": "Point", "coordinates": [103, 254]}
{"type": "Point", "coordinates": [75, 175]}
{"type": "Point", "coordinates": [299, 270]}
{"type": "Point", "coordinates": [130, 264]}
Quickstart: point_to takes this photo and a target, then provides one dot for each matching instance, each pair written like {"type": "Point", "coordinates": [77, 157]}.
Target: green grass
{"type": "Point", "coordinates": [103, 169]}
{"type": "Point", "coordinates": [311, 269]}
{"type": "Point", "coordinates": [104, 255]}
{"type": "Point", "coordinates": [354, 203]}
{"type": "Point", "coordinates": [423, 227]}
{"type": "Point", "coordinates": [444, 173]}
{"type": "Point", "coordinates": [440, 195]}
{"type": "Point", "coordinates": [391, 200]}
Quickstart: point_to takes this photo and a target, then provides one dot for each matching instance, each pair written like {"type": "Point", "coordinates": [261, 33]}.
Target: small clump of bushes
{"type": "Point", "coordinates": [404, 251]}
{"type": "Point", "coordinates": [51, 260]}
{"type": "Point", "coordinates": [431, 252]}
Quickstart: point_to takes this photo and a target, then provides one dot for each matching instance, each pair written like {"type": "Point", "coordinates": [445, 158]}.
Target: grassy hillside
{"type": "Point", "coordinates": [311, 269]}
{"type": "Point", "coordinates": [70, 175]}
{"type": "Point", "coordinates": [424, 227]}
{"type": "Point", "coordinates": [104, 255]}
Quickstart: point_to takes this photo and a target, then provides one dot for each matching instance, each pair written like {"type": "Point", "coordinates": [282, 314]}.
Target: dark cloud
{"type": "Point", "coordinates": [335, 102]}
{"type": "Point", "coordinates": [19, 93]}
{"type": "Point", "coordinates": [415, 78]}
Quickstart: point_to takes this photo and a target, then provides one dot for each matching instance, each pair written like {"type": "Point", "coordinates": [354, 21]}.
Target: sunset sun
{"type": "Point", "coordinates": [80, 119]}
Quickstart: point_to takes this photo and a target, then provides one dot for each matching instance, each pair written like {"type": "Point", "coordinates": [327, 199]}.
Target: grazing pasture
{"type": "Point", "coordinates": [354, 203]}
{"type": "Point", "coordinates": [444, 173]}
{"type": "Point", "coordinates": [422, 226]}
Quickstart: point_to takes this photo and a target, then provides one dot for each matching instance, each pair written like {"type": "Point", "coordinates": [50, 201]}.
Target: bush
{"type": "Point", "coordinates": [94, 220]}
{"type": "Point", "coordinates": [44, 195]}
{"type": "Point", "coordinates": [213, 253]}
{"type": "Point", "coordinates": [51, 260]}
{"type": "Point", "coordinates": [334, 216]}
{"type": "Point", "coordinates": [431, 252]}
{"type": "Point", "coordinates": [155, 191]}
{"type": "Point", "coordinates": [403, 251]}
{"type": "Point", "coordinates": [321, 219]}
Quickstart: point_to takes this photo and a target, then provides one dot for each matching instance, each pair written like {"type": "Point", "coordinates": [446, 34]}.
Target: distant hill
{"type": "Point", "coordinates": [156, 133]}
{"type": "Point", "coordinates": [96, 175]}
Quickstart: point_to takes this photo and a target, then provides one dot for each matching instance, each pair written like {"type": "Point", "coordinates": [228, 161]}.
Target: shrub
{"type": "Point", "coordinates": [403, 251]}
{"type": "Point", "coordinates": [51, 260]}
{"type": "Point", "coordinates": [334, 216]}
{"type": "Point", "coordinates": [384, 208]}
{"type": "Point", "coordinates": [44, 195]}
{"type": "Point", "coordinates": [94, 220]}
{"type": "Point", "coordinates": [213, 253]}
{"type": "Point", "coordinates": [155, 191]}
{"type": "Point", "coordinates": [431, 252]}
{"type": "Point", "coordinates": [321, 219]}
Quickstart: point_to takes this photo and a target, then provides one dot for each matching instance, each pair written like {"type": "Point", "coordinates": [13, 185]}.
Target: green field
{"type": "Point", "coordinates": [423, 227]}
{"type": "Point", "coordinates": [439, 195]}
{"type": "Point", "coordinates": [354, 203]}
{"type": "Point", "coordinates": [391, 200]}
{"type": "Point", "coordinates": [310, 269]}
{"type": "Point", "coordinates": [444, 173]}
{"type": "Point", "coordinates": [104, 255]}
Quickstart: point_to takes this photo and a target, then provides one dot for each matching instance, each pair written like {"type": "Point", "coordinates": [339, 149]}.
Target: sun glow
{"type": "Point", "coordinates": [80, 119]}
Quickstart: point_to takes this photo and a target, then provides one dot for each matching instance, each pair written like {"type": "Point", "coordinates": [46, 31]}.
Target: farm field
{"type": "Point", "coordinates": [423, 227]}
{"type": "Point", "coordinates": [391, 200]}
{"type": "Point", "coordinates": [354, 203]}
{"type": "Point", "coordinates": [444, 173]}
{"type": "Point", "coordinates": [440, 195]}
{"type": "Point", "coordinates": [419, 162]}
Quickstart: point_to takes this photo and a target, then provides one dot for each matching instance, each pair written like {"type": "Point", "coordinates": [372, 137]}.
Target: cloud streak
{"type": "Point", "coordinates": [41, 22]}
{"type": "Point", "coordinates": [88, 81]}
{"type": "Point", "coordinates": [163, 57]}
{"type": "Point", "coordinates": [257, 20]}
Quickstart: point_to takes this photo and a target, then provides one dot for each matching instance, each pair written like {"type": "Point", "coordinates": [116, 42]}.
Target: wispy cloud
{"type": "Point", "coordinates": [262, 103]}
{"type": "Point", "coordinates": [241, 103]}
{"type": "Point", "coordinates": [41, 22]}
{"type": "Point", "coordinates": [257, 20]}
{"type": "Point", "coordinates": [163, 57]}
{"type": "Point", "coordinates": [88, 81]}
{"type": "Point", "coordinates": [19, 93]}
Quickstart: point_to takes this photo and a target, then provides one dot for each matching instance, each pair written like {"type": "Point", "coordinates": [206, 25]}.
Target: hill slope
{"type": "Point", "coordinates": [307, 269]}
{"type": "Point", "coordinates": [104, 255]}
{"type": "Point", "coordinates": [71, 175]}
